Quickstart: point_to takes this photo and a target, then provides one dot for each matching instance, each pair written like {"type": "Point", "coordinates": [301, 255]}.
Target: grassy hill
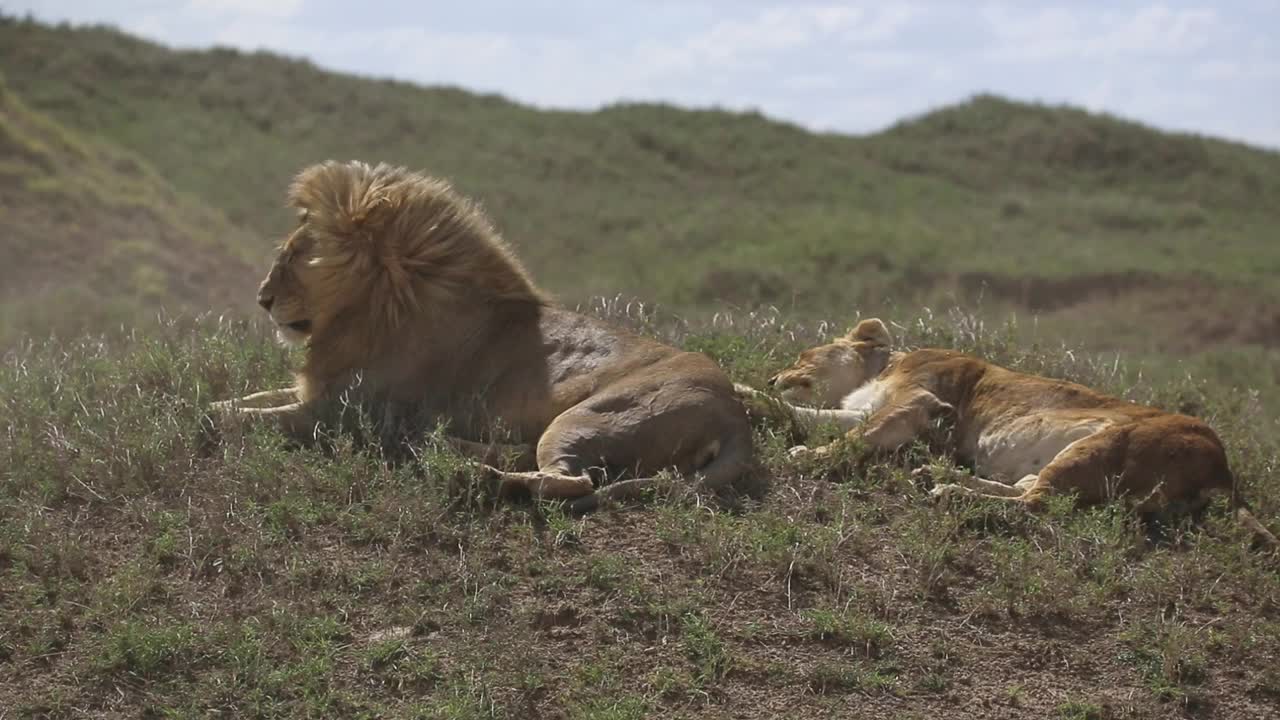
{"type": "Point", "coordinates": [93, 236]}
{"type": "Point", "coordinates": [1033, 208]}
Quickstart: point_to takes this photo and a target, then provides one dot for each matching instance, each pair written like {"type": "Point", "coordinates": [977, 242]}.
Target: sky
{"type": "Point", "coordinates": [856, 67]}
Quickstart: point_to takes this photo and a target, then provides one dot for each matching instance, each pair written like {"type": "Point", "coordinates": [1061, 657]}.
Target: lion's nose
{"type": "Point", "coordinates": [773, 381]}
{"type": "Point", "coordinates": [265, 301]}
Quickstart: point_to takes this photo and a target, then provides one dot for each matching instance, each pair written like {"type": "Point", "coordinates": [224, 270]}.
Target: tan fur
{"type": "Point", "coordinates": [404, 295]}
{"type": "Point", "coordinates": [1030, 435]}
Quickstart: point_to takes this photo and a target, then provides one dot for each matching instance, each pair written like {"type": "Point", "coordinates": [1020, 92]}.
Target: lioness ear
{"type": "Point", "coordinates": [872, 331]}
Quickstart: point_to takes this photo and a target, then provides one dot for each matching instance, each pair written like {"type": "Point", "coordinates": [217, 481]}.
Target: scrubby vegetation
{"type": "Point", "coordinates": [150, 567]}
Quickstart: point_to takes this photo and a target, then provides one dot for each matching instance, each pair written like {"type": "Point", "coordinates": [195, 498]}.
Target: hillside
{"type": "Point", "coordinates": [92, 235]}
{"type": "Point", "coordinates": [1076, 217]}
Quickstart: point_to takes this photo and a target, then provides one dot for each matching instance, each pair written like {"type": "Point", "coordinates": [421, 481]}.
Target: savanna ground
{"type": "Point", "coordinates": [151, 568]}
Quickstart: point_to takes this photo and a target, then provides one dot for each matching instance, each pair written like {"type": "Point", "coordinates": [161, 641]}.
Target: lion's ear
{"type": "Point", "coordinates": [872, 331]}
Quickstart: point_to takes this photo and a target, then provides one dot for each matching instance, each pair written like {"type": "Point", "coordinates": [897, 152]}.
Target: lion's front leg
{"type": "Point", "coordinates": [280, 407]}
{"type": "Point", "coordinates": [974, 485]}
{"type": "Point", "coordinates": [895, 424]}
{"type": "Point", "coordinates": [260, 400]}
{"type": "Point", "coordinates": [295, 419]}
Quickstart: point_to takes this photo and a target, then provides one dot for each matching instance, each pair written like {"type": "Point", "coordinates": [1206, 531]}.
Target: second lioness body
{"type": "Point", "coordinates": [1025, 436]}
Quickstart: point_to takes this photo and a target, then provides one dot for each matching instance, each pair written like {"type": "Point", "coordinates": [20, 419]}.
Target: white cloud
{"type": "Point", "coordinates": [884, 24]}
{"type": "Point", "coordinates": [1081, 32]}
{"type": "Point", "coordinates": [772, 29]}
{"type": "Point", "coordinates": [805, 82]}
{"type": "Point", "coordinates": [278, 9]}
{"type": "Point", "coordinates": [1157, 30]}
{"type": "Point", "coordinates": [786, 28]}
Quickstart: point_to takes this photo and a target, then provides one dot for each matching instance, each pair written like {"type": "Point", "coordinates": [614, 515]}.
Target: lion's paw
{"type": "Point", "coordinates": [944, 495]}
{"type": "Point", "coordinates": [800, 452]}
{"type": "Point", "coordinates": [223, 415]}
{"type": "Point", "coordinates": [225, 407]}
{"type": "Point", "coordinates": [804, 452]}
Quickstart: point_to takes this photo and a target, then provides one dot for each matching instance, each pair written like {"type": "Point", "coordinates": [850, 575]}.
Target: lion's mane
{"type": "Point", "coordinates": [402, 263]}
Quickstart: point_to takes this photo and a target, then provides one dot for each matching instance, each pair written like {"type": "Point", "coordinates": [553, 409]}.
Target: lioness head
{"type": "Point", "coordinates": [823, 375]}
{"type": "Point", "coordinates": [375, 246]}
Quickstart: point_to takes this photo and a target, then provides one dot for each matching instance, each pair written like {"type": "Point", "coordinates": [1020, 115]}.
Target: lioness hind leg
{"type": "Point", "coordinates": [1085, 467]}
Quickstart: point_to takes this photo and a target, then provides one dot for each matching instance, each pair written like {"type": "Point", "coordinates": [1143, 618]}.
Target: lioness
{"type": "Point", "coordinates": [405, 296]}
{"type": "Point", "coordinates": [1025, 436]}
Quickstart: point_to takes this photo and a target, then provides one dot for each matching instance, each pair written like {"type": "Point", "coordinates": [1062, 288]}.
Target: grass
{"type": "Point", "coordinates": [863, 635]}
{"type": "Point", "coordinates": [152, 569]}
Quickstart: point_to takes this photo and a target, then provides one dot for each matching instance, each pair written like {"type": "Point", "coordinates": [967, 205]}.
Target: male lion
{"type": "Point", "coordinates": [406, 298]}
{"type": "Point", "coordinates": [1031, 435]}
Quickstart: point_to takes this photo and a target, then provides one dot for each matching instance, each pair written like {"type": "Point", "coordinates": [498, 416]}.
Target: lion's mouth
{"type": "Point", "coordinates": [302, 326]}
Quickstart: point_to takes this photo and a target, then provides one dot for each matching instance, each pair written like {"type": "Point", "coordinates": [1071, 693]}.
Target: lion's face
{"type": "Point", "coordinates": [823, 375]}
{"type": "Point", "coordinates": [288, 293]}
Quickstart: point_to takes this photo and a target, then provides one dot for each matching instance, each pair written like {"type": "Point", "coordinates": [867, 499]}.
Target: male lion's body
{"type": "Point", "coordinates": [1025, 436]}
{"type": "Point", "coordinates": [406, 298]}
